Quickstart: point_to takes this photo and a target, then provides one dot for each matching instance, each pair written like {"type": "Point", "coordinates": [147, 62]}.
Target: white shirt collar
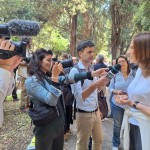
{"type": "Point", "coordinates": [81, 66]}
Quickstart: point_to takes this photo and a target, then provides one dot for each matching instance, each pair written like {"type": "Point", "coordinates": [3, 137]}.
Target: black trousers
{"type": "Point", "coordinates": [135, 138]}
{"type": "Point", "coordinates": [14, 93]}
{"type": "Point", "coordinates": [50, 137]}
{"type": "Point", "coordinates": [68, 118]}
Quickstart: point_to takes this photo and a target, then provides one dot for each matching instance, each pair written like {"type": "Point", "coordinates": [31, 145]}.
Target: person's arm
{"type": "Point", "coordinates": [23, 63]}
{"type": "Point", "coordinates": [6, 83]}
{"type": "Point", "coordinates": [112, 86]}
{"type": "Point", "coordinates": [112, 89]}
{"type": "Point", "coordinates": [99, 83]}
{"type": "Point", "coordinates": [45, 93]}
{"type": "Point", "coordinates": [77, 88]}
{"type": "Point", "coordinates": [99, 72]}
{"type": "Point", "coordinates": [143, 108]}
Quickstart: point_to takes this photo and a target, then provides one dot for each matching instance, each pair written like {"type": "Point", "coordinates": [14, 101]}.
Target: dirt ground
{"type": "Point", "coordinates": [16, 131]}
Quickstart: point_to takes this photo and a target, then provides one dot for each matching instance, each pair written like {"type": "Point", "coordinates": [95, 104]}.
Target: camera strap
{"type": "Point", "coordinates": [6, 54]}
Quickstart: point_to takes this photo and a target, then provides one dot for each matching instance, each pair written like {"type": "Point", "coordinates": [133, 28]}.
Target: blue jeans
{"type": "Point", "coordinates": [117, 114]}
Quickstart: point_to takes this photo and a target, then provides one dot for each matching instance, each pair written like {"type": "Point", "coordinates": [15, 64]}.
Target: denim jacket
{"type": "Point", "coordinates": [42, 92]}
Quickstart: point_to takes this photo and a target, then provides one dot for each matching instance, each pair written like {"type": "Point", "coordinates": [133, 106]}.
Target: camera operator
{"type": "Point", "coordinates": [88, 121]}
{"type": "Point", "coordinates": [6, 73]}
{"type": "Point", "coordinates": [23, 73]}
{"type": "Point", "coordinates": [45, 91]}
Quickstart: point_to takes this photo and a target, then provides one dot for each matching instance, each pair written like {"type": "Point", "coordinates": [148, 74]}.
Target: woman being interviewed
{"type": "Point", "coordinates": [43, 90]}
{"type": "Point", "coordinates": [138, 100]}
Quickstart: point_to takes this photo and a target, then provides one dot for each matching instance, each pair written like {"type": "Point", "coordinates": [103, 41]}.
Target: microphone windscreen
{"type": "Point", "coordinates": [18, 27]}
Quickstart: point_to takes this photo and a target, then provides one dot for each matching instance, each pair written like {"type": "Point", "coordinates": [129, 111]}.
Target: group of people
{"type": "Point", "coordinates": [129, 95]}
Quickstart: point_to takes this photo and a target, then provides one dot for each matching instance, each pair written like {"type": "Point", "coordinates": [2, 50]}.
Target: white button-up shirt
{"type": "Point", "coordinates": [90, 103]}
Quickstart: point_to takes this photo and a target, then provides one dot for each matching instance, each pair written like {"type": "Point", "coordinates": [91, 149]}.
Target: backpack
{"type": "Point", "coordinates": [67, 94]}
{"type": "Point", "coordinates": [66, 90]}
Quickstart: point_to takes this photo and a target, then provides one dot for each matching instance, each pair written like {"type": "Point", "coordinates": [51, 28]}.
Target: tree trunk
{"type": "Point", "coordinates": [73, 29]}
{"type": "Point", "coordinates": [87, 26]}
{"type": "Point", "coordinates": [116, 30]}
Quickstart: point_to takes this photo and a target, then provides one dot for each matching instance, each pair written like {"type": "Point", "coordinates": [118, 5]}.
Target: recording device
{"type": "Point", "coordinates": [20, 49]}
{"type": "Point", "coordinates": [68, 79]}
{"type": "Point", "coordinates": [27, 59]}
{"type": "Point", "coordinates": [113, 70]}
{"type": "Point", "coordinates": [65, 63]}
{"type": "Point", "coordinates": [17, 27]}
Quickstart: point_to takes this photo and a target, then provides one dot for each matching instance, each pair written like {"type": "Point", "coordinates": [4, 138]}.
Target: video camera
{"type": "Point", "coordinates": [65, 63]}
{"type": "Point", "coordinates": [17, 28]}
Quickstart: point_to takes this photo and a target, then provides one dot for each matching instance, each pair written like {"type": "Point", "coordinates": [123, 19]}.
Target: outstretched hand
{"type": "Point", "coordinates": [99, 72]}
{"type": "Point", "coordinates": [102, 81]}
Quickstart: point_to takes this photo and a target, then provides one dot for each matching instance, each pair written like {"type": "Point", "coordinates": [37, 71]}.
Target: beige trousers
{"type": "Point", "coordinates": [88, 124]}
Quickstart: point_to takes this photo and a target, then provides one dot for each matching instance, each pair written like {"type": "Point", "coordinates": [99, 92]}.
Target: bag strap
{"type": "Point", "coordinates": [82, 82]}
{"type": "Point", "coordinates": [101, 93]}
{"type": "Point", "coordinates": [80, 70]}
{"type": "Point", "coordinates": [114, 88]}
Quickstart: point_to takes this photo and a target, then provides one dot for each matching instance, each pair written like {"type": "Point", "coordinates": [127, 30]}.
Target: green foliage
{"type": "Point", "coordinates": [141, 18]}
{"type": "Point", "coordinates": [54, 16]}
{"type": "Point", "coordinates": [21, 9]}
{"type": "Point", "coordinates": [50, 38]}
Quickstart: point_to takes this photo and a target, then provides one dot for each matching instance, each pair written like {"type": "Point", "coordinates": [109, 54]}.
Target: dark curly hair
{"type": "Point", "coordinates": [35, 63]}
{"type": "Point", "coordinates": [82, 45]}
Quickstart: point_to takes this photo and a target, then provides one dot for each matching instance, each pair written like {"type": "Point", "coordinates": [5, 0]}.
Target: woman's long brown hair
{"type": "Point", "coordinates": [141, 46]}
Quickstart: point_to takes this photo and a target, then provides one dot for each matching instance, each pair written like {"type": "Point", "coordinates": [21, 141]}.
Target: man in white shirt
{"type": "Point", "coordinates": [88, 121]}
{"type": "Point", "coordinates": [6, 74]}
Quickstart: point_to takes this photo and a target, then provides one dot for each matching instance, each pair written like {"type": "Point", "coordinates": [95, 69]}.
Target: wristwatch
{"type": "Point", "coordinates": [135, 104]}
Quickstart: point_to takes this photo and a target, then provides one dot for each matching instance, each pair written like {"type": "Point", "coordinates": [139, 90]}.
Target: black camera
{"type": "Point", "coordinates": [27, 59]}
{"type": "Point", "coordinates": [17, 27]}
{"type": "Point", "coordinates": [65, 63]}
{"type": "Point", "coordinates": [20, 49]}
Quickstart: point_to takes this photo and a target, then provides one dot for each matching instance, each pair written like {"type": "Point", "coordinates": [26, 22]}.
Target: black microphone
{"type": "Point", "coordinates": [113, 70]}
{"type": "Point", "coordinates": [18, 27]}
{"type": "Point", "coordinates": [69, 79]}
{"type": "Point", "coordinates": [109, 68]}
